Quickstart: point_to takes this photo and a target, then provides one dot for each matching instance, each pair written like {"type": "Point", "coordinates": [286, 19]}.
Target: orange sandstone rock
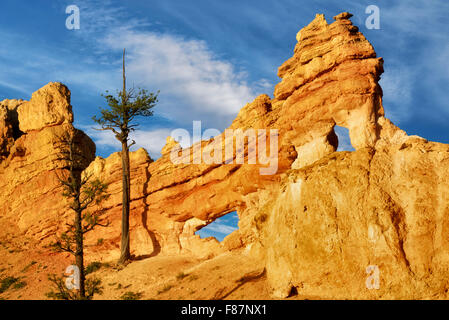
{"type": "Point", "coordinates": [30, 194]}
{"type": "Point", "coordinates": [317, 223]}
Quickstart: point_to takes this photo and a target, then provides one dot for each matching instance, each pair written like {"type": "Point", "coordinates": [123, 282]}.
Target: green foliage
{"type": "Point", "coordinates": [7, 282]}
{"type": "Point", "coordinates": [131, 296]}
{"type": "Point", "coordinates": [93, 286]}
{"type": "Point", "coordinates": [92, 267]}
{"type": "Point", "coordinates": [60, 291]}
{"type": "Point", "coordinates": [13, 282]}
{"type": "Point", "coordinates": [120, 118]}
{"type": "Point", "coordinates": [84, 192]}
{"type": "Point", "coordinates": [32, 263]}
{"type": "Point", "coordinates": [19, 285]}
{"type": "Point", "coordinates": [123, 109]}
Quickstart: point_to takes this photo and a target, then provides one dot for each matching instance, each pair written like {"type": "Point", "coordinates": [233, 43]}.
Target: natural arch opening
{"type": "Point", "coordinates": [344, 141]}
{"type": "Point", "coordinates": [220, 227]}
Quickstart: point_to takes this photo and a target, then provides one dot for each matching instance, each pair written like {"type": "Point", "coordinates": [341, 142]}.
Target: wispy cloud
{"type": "Point", "coordinates": [344, 142]}
{"type": "Point", "coordinates": [397, 86]}
{"type": "Point", "coordinates": [15, 87]}
{"type": "Point", "coordinates": [100, 16]}
{"type": "Point", "coordinates": [416, 71]}
{"type": "Point", "coordinates": [25, 70]}
{"type": "Point", "coordinates": [151, 140]}
{"type": "Point", "coordinates": [195, 82]}
{"type": "Point", "coordinates": [201, 77]}
{"type": "Point", "coordinates": [221, 227]}
{"type": "Point", "coordinates": [186, 70]}
{"type": "Point", "coordinates": [412, 18]}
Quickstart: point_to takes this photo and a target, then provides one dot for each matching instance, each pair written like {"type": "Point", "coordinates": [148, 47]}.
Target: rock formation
{"type": "Point", "coordinates": [318, 221]}
{"type": "Point", "coordinates": [31, 196]}
{"type": "Point", "coordinates": [9, 125]}
{"type": "Point", "coordinates": [336, 223]}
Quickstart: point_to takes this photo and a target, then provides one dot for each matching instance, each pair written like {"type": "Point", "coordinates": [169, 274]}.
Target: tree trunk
{"type": "Point", "coordinates": [125, 252]}
{"type": "Point", "coordinates": [79, 255]}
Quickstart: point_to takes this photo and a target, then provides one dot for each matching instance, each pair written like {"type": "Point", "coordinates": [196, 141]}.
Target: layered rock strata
{"type": "Point", "coordinates": [364, 224]}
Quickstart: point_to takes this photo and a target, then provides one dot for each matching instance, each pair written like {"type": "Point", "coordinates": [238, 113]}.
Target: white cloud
{"type": "Point", "coordinates": [187, 71]}
{"type": "Point", "coordinates": [421, 27]}
{"type": "Point", "coordinates": [344, 142]}
{"type": "Point", "coordinates": [151, 140]}
{"type": "Point", "coordinates": [16, 87]}
{"type": "Point", "coordinates": [413, 17]}
{"type": "Point", "coordinates": [195, 82]}
{"type": "Point", "coordinates": [397, 85]}
{"type": "Point", "coordinates": [219, 227]}
{"type": "Point", "coordinates": [100, 16]}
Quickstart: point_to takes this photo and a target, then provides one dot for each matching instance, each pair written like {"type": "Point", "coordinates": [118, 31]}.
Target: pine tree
{"type": "Point", "coordinates": [120, 118]}
{"type": "Point", "coordinates": [83, 192]}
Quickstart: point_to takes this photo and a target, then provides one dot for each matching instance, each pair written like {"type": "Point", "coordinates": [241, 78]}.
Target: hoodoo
{"type": "Point", "coordinates": [319, 225]}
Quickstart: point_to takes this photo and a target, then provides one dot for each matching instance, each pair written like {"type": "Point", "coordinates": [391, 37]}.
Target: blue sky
{"type": "Point", "coordinates": [221, 227]}
{"type": "Point", "coordinates": [209, 58]}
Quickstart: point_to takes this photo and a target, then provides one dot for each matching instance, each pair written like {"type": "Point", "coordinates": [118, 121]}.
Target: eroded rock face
{"type": "Point", "coordinates": [9, 125]}
{"type": "Point", "coordinates": [385, 207]}
{"type": "Point", "coordinates": [6, 138]}
{"type": "Point", "coordinates": [31, 195]}
{"type": "Point", "coordinates": [331, 80]}
{"type": "Point", "coordinates": [318, 221]}
{"type": "Point", "coordinates": [49, 106]}
{"type": "Point", "coordinates": [333, 225]}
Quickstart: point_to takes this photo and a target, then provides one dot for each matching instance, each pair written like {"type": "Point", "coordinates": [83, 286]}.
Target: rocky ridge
{"type": "Point", "coordinates": [316, 224]}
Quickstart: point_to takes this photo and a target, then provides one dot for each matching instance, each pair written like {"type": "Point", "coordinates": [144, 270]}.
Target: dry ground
{"type": "Point", "coordinates": [227, 276]}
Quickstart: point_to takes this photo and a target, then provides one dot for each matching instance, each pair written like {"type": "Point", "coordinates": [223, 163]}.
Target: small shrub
{"type": "Point", "coordinates": [32, 263]}
{"type": "Point", "coordinates": [131, 296]}
{"type": "Point", "coordinates": [100, 241]}
{"type": "Point", "coordinates": [7, 282]}
{"type": "Point", "coordinates": [92, 267]}
{"type": "Point", "coordinates": [19, 285]}
{"type": "Point", "coordinates": [93, 286]}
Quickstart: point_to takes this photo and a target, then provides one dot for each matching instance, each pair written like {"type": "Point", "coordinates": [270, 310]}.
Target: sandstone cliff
{"type": "Point", "coordinates": [331, 222]}
{"type": "Point", "coordinates": [316, 224]}
{"type": "Point", "coordinates": [31, 197]}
